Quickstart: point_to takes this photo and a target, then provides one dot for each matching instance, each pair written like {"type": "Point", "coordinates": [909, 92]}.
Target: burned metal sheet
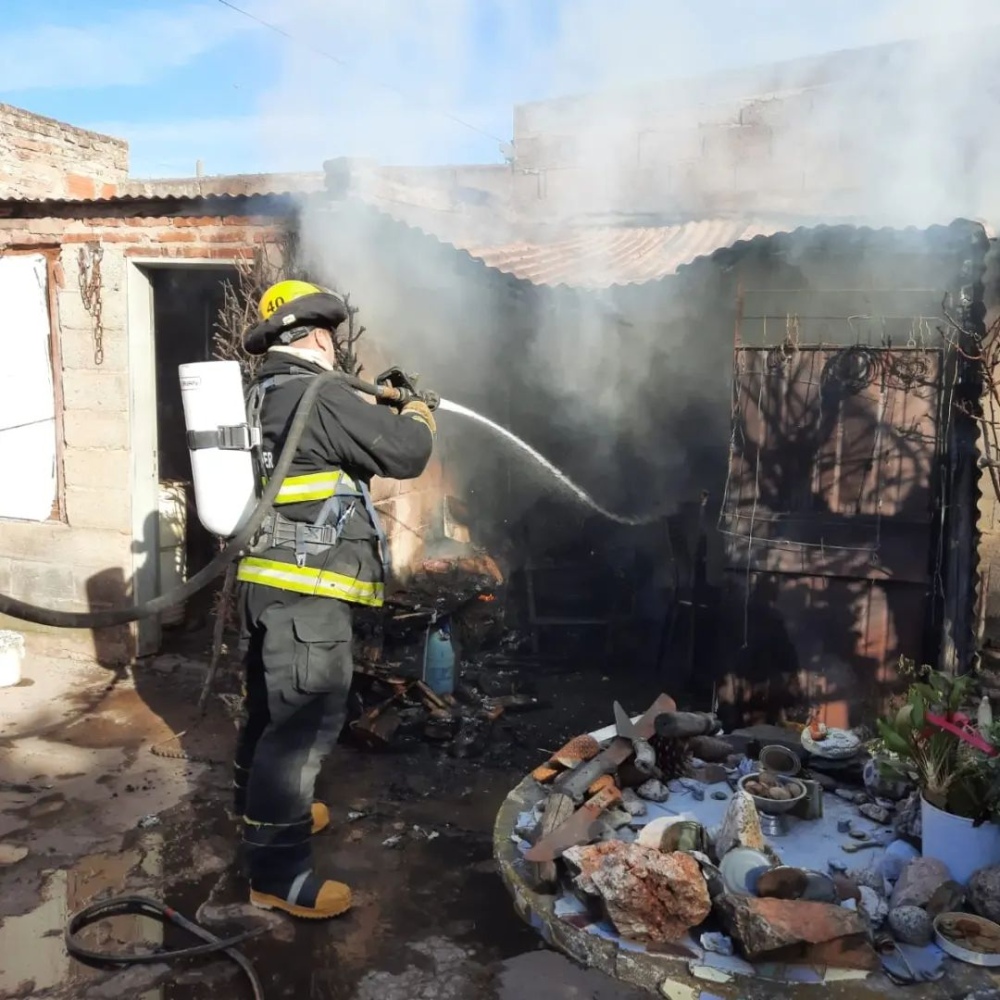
{"type": "Point", "coordinates": [829, 525]}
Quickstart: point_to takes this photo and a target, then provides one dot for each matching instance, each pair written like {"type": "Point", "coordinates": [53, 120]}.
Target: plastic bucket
{"type": "Point", "coordinates": [964, 848]}
{"type": "Point", "coordinates": [11, 657]}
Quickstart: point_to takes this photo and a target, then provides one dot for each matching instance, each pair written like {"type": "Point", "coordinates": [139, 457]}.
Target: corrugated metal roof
{"type": "Point", "coordinates": [609, 255]}
{"type": "Point", "coordinates": [592, 258]}
{"type": "Point", "coordinates": [191, 188]}
{"type": "Point", "coordinates": [224, 185]}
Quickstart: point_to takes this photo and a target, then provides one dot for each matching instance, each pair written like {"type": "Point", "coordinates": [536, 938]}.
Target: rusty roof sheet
{"type": "Point", "coordinates": [223, 186]}
{"type": "Point", "coordinates": [615, 255]}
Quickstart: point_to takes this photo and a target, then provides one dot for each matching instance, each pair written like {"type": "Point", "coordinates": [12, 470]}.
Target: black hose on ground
{"type": "Point", "coordinates": [146, 907]}
{"type": "Point", "coordinates": [24, 611]}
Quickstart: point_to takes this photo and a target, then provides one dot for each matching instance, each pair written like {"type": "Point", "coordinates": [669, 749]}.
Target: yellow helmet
{"type": "Point", "coordinates": [284, 292]}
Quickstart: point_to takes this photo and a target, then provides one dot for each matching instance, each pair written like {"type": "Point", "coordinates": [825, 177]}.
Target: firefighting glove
{"type": "Point", "coordinates": [417, 409]}
{"type": "Point", "coordinates": [396, 378]}
{"type": "Point", "coordinates": [405, 385]}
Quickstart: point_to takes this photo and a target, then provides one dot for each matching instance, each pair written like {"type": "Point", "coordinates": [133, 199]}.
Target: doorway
{"type": "Point", "coordinates": [173, 309]}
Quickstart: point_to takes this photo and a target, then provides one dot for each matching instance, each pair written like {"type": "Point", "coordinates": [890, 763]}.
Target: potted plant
{"type": "Point", "coordinates": [956, 768]}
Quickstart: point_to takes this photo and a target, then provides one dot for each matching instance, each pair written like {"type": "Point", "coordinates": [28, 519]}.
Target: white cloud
{"type": "Point", "coordinates": [130, 49]}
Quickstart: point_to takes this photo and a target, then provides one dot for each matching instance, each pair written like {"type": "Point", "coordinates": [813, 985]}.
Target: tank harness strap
{"type": "Point", "coordinates": [383, 543]}
{"type": "Point", "coordinates": [279, 531]}
{"type": "Point", "coordinates": [239, 437]}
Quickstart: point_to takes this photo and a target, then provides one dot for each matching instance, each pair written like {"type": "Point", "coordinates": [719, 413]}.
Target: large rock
{"type": "Point", "coordinates": [794, 927]}
{"type": "Point", "coordinates": [649, 896]}
{"type": "Point", "coordinates": [911, 925]}
{"type": "Point", "coordinates": [873, 906]}
{"type": "Point", "coordinates": [984, 893]}
{"type": "Point", "coordinates": [584, 861]}
{"type": "Point", "coordinates": [918, 882]}
{"type": "Point", "coordinates": [740, 827]}
{"type": "Point", "coordinates": [909, 818]}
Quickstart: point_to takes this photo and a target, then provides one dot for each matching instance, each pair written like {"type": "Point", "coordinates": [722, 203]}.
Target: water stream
{"type": "Point", "coordinates": [564, 481]}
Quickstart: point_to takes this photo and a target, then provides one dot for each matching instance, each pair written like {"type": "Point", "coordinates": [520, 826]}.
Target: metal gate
{"type": "Point", "coordinates": [830, 526]}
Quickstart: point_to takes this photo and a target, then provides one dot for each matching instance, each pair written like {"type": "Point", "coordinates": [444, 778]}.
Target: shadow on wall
{"type": "Point", "coordinates": [830, 528]}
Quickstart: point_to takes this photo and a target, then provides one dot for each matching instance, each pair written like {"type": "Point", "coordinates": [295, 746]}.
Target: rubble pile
{"type": "Point", "coordinates": [397, 705]}
{"type": "Point", "coordinates": [394, 704]}
{"type": "Point", "coordinates": [761, 846]}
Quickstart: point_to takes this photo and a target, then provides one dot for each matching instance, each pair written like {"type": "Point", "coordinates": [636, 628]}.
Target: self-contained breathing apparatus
{"type": "Point", "coordinates": [230, 465]}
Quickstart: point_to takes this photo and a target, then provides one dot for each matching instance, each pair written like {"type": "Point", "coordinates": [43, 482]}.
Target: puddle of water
{"type": "Point", "coordinates": [34, 956]}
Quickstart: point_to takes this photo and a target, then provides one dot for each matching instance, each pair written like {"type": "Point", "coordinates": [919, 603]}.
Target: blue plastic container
{"type": "Point", "coordinates": [439, 658]}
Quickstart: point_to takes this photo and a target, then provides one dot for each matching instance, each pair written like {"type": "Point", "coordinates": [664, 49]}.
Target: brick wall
{"type": "Point", "coordinates": [86, 558]}
{"type": "Point", "coordinates": [44, 158]}
{"type": "Point", "coordinates": [872, 133]}
{"type": "Point", "coordinates": [745, 156]}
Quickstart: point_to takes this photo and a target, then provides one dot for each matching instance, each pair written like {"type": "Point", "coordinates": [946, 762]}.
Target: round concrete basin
{"type": "Point", "coordinates": [670, 976]}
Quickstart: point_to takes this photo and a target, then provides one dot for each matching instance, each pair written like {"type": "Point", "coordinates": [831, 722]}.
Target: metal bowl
{"type": "Point", "coordinates": [780, 760]}
{"type": "Point", "coordinates": [775, 807]}
{"type": "Point", "coordinates": [989, 960]}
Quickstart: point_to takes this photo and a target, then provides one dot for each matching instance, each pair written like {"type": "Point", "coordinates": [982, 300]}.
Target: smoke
{"type": "Point", "coordinates": [698, 110]}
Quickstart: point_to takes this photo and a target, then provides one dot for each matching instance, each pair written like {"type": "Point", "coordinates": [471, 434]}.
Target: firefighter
{"type": "Point", "coordinates": [322, 551]}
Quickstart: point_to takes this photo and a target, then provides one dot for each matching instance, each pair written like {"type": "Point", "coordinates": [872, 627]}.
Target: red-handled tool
{"type": "Point", "coordinates": [960, 725]}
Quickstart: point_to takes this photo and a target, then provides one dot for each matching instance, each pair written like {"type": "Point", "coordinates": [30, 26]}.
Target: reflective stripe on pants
{"type": "Point", "coordinates": [311, 581]}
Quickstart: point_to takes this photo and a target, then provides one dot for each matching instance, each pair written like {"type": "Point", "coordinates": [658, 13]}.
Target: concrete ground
{"type": "Point", "coordinates": [88, 811]}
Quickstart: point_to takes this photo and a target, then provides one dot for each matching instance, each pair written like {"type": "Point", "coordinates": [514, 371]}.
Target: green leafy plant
{"type": "Point", "coordinates": [950, 774]}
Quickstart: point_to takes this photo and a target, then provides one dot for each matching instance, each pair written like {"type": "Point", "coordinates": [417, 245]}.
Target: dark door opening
{"type": "Point", "coordinates": [186, 304]}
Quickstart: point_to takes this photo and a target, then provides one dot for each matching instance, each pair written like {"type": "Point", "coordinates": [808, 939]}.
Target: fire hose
{"type": "Point", "coordinates": [143, 906]}
{"type": "Point", "coordinates": [22, 610]}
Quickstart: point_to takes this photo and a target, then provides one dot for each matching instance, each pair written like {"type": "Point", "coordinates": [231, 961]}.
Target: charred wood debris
{"type": "Point", "coordinates": [392, 705]}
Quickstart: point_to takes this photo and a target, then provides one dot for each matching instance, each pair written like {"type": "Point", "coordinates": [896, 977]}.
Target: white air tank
{"type": "Point", "coordinates": [224, 491]}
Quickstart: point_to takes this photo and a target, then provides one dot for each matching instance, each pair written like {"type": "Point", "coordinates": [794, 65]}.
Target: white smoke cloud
{"type": "Point", "coordinates": [898, 137]}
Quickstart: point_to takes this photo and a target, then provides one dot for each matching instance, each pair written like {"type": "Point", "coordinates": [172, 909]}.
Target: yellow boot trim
{"type": "Point", "coordinates": [320, 817]}
{"type": "Point", "coordinates": [334, 898]}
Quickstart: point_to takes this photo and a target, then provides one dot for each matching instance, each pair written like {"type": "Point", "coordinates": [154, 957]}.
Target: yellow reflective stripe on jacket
{"type": "Point", "coordinates": [313, 486]}
{"type": "Point", "coordinates": [307, 580]}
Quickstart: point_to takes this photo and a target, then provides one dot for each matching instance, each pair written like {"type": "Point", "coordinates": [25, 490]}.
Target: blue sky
{"type": "Point", "coordinates": [184, 80]}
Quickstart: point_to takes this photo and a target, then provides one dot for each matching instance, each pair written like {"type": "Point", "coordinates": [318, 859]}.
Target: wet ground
{"type": "Point", "coordinates": [98, 814]}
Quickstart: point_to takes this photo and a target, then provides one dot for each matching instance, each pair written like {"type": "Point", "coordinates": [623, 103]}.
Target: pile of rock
{"type": "Point", "coordinates": [652, 892]}
{"type": "Point", "coordinates": [670, 881]}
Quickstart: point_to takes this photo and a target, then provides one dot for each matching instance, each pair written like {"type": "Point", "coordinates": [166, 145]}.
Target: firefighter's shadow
{"type": "Point", "coordinates": [167, 723]}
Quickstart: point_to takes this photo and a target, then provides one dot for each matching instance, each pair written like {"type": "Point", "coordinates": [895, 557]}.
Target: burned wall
{"type": "Point", "coordinates": [657, 429]}
{"type": "Point", "coordinates": [849, 441]}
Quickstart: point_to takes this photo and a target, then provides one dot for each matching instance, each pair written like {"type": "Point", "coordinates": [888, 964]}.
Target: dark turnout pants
{"type": "Point", "coordinates": [298, 674]}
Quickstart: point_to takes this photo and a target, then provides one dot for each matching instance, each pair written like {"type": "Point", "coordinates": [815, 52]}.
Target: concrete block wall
{"type": "Point", "coordinates": [769, 152]}
{"type": "Point", "coordinates": [44, 158]}
{"type": "Point", "coordinates": [83, 560]}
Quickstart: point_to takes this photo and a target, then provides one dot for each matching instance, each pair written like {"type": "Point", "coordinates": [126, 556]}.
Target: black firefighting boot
{"type": "Point", "coordinates": [307, 896]}
{"type": "Point", "coordinates": [278, 857]}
